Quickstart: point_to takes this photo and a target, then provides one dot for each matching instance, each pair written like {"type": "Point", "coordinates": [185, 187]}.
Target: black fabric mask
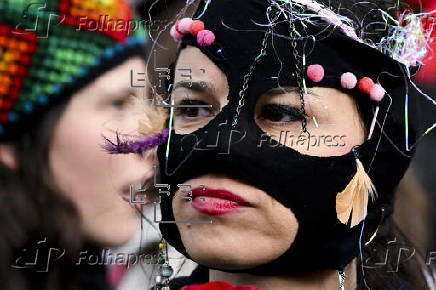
{"type": "Point", "coordinates": [307, 185]}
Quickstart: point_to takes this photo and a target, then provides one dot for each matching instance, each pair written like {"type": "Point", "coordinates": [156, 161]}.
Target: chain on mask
{"type": "Point", "coordinates": [307, 185]}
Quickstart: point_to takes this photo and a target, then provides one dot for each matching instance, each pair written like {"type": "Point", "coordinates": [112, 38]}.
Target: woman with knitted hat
{"type": "Point", "coordinates": [292, 134]}
{"type": "Point", "coordinates": [65, 80]}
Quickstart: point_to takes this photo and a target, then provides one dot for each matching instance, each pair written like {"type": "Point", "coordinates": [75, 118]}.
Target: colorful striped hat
{"type": "Point", "coordinates": [50, 50]}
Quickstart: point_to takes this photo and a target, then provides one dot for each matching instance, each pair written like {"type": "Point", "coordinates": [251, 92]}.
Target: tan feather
{"type": "Point", "coordinates": [353, 200]}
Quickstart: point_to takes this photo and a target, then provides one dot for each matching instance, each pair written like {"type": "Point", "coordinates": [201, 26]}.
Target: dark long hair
{"type": "Point", "coordinates": [32, 211]}
{"type": "Point", "coordinates": [392, 262]}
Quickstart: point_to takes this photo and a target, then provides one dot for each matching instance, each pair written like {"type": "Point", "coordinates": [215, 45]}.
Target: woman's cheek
{"type": "Point", "coordinates": [344, 146]}
{"type": "Point", "coordinates": [319, 116]}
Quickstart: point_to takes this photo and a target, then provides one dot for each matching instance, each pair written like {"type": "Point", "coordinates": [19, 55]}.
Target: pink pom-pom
{"type": "Point", "coordinates": [377, 93]}
{"type": "Point", "coordinates": [184, 25]}
{"type": "Point", "coordinates": [365, 85]}
{"type": "Point", "coordinates": [205, 38]}
{"type": "Point", "coordinates": [175, 34]}
{"type": "Point", "coordinates": [315, 73]}
{"type": "Point", "coordinates": [348, 81]}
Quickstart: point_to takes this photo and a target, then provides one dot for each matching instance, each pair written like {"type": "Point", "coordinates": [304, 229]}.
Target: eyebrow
{"type": "Point", "coordinates": [281, 90]}
{"type": "Point", "coordinates": [128, 92]}
{"type": "Point", "coordinates": [199, 87]}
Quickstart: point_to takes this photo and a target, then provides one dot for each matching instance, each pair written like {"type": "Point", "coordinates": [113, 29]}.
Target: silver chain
{"type": "Point", "coordinates": [341, 275]}
{"type": "Point", "coordinates": [298, 72]}
{"type": "Point", "coordinates": [298, 68]}
{"type": "Point", "coordinates": [247, 77]}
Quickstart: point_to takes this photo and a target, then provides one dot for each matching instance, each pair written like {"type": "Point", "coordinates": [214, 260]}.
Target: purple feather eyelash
{"type": "Point", "coordinates": [135, 146]}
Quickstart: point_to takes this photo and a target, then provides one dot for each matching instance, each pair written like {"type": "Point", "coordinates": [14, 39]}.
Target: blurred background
{"type": "Point", "coordinates": [418, 189]}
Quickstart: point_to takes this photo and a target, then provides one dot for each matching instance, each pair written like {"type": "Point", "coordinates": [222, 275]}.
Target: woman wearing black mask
{"type": "Point", "coordinates": [290, 136]}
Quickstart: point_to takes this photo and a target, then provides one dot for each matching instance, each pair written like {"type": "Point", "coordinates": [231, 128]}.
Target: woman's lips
{"type": "Point", "coordinates": [216, 201]}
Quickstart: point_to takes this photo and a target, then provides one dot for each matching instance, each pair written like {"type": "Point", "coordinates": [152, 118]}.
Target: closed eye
{"type": "Point", "coordinates": [122, 101]}
{"type": "Point", "coordinates": [277, 113]}
{"type": "Point", "coordinates": [192, 109]}
{"type": "Point", "coordinates": [119, 103]}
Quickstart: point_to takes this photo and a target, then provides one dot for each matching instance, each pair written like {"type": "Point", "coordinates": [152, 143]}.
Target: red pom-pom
{"type": "Point", "coordinates": [196, 27]}
{"type": "Point", "coordinates": [205, 38]}
{"type": "Point", "coordinates": [365, 85]}
{"type": "Point", "coordinates": [315, 73]}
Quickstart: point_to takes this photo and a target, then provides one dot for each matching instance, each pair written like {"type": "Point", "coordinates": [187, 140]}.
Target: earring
{"type": "Point", "coordinates": [341, 276]}
{"type": "Point", "coordinates": [165, 270]}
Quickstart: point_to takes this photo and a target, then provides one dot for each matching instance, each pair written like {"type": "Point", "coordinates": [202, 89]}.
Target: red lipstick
{"type": "Point", "coordinates": [216, 201]}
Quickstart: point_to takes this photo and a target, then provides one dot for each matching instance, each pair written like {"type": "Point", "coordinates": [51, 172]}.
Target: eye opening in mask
{"type": "Point", "coordinates": [280, 107]}
{"type": "Point", "coordinates": [196, 104]}
{"type": "Point", "coordinates": [333, 120]}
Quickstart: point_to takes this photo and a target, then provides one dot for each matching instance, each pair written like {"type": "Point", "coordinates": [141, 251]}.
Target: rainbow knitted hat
{"type": "Point", "coordinates": [50, 50]}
